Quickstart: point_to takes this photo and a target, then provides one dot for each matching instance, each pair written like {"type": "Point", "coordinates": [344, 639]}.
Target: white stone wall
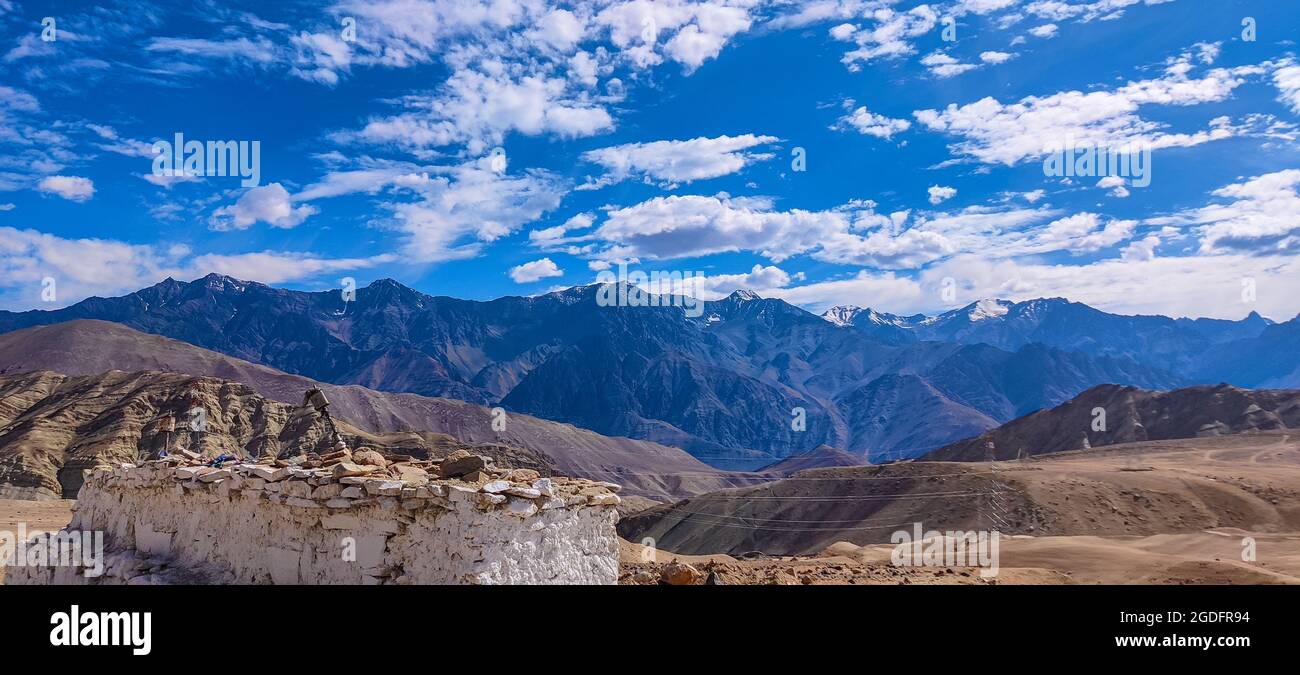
{"type": "Point", "coordinates": [161, 528]}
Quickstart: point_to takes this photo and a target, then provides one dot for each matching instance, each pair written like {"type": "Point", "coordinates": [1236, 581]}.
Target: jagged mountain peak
{"type": "Point", "coordinates": [841, 315]}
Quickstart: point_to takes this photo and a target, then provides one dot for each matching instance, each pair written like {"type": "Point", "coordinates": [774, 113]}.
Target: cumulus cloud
{"type": "Point", "coordinates": [852, 234]}
{"type": "Point", "coordinates": [1106, 10]}
{"type": "Point", "coordinates": [555, 235]}
{"type": "Point", "coordinates": [673, 162]}
{"type": "Point", "coordinates": [887, 33]}
{"type": "Point", "coordinates": [1193, 286]}
{"type": "Point", "coordinates": [461, 208]}
{"type": "Point", "coordinates": [996, 57]}
{"type": "Point", "coordinates": [871, 124]}
{"type": "Point", "coordinates": [1116, 186]}
{"type": "Point", "coordinates": [444, 212]}
{"type": "Point", "coordinates": [942, 65]}
{"type": "Point", "coordinates": [478, 107]}
{"type": "Point", "coordinates": [270, 204]}
{"type": "Point", "coordinates": [72, 188]}
{"type": "Point", "coordinates": [940, 193]}
{"type": "Point", "coordinates": [536, 270]}
{"type": "Point", "coordinates": [1258, 216]}
{"type": "Point", "coordinates": [529, 68]}
{"type": "Point", "coordinates": [1009, 133]}
{"type": "Point", "coordinates": [1046, 31]}
{"type": "Point", "coordinates": [1287, 80]}
{"type": "Point", "coordinates": [92, 266]}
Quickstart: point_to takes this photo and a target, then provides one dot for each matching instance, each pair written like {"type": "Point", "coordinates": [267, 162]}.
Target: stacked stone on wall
{"type": "Point", "coordinates": [266, 524]}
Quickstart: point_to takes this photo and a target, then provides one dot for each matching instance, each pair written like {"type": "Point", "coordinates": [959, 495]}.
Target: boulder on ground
{"type": "Point", "coordinates": [679, 574]}
{"type": "Point", "coordinates": [461, 462]}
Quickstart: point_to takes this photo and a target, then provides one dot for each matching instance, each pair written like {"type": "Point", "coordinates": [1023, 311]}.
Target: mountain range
{"type": "Point", "coordinates": [84, 350]}
{"type": "Point", "coordinates": [1192, 348]}
{"type": "Point", "coordinates": [750, 381]}
{"type": "Point", "coordinates": [1109, 414]}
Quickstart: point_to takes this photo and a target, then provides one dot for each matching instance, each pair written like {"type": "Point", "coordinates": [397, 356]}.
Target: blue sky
{"type": "Point", "coordinates": [509, 148]}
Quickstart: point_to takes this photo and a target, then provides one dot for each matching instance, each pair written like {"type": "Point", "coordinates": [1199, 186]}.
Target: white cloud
{"type": "Point", "coordinates": [673, 162]}
{"type": "Point", "coordinates": [560, 29]}
{"type": "Point", "coordinates": [889, 34]}
{"type": "Point", "coordinates": [1175, 286]}
{"type": "Point", "coordinates": [994, 132]}
{"type": "Point", "coordinates": [1079, 233]}
{"type": "Point", "coordinates": [116, 143]}
{"type": "Point", "coordinates": [981, 6]}
{"type": "Point", "coordinates": [1106, 10]}
{"type": "Point", "coordinates": [267, 203]}
{"type": "Point", "coordinates": [84, 267]}
{"type": "Point", "coordinates": [531, 68]}
{"type": "Point", "coordinates": [1141, 250]}
{"type": "Point", "coordinates": [536, 270]}
{"type": "Point", "coordinates": [996, 57]}
{"type": "Point", "coordinates": [1287, 80]}
{"type": "Point", "coordinates": [1208, 52]}
{"type": "Point", "coordinates": [943, 66]}
{"type": "Point", "coordinates": [321, 57]}
{"type": "Point", "coordinates": [555, 235]}
{"type": "Point", "coordinates": [445, 212]}
{"type": "Point", "coordinates": [886, 291]}
{"type": "Point", "coordinates": [1045, 31]}
{"type": "Point", "coordinates": [479, 107]}
{"type": "Point", "coordinates": [1138, 283]}
{"type": "Point", "coordinates": [872, 124]}
{"type": "Point", "coordinates": [460, 208]}
{"type": "Point", "coordinates": [1259, 217]}
{"type": "Point", "coordinates": [940, 193]}
{"type": "Point", "coordinates": [1116, 186]}
{"type": "Point", "coordinates": [853, 234]}
{"type": "Point", "coordinates": [79, 267]}
{"type": "Point", "coordinates": [168, 181]}
{"type": "Point", "coordinates": [272, 267]}
{"type": "Point", "coordinates": [72, 188]}
{"type": "Point", "coordinates": [258, 50]}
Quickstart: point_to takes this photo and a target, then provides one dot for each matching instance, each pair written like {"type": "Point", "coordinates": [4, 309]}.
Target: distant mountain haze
{"type": "Point", "coordinates": [749, 382]}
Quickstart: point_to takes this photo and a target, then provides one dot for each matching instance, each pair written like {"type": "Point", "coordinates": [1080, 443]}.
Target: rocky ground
{"type": "Point", "coordinates": [54, 426]}
{"type": "Point", "coordinates": [1164, 512]}
{"type": "Point", "coordinates": [1247, 482]}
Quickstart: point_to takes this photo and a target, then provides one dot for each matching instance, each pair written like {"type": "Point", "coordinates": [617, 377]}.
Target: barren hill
{"type": "Point", "coordinates": [1130, 415]}
{"type": "Point", "coordinates": [820, 457]}
{"type": "Point", "coordinates": [87, 347]}
{"type": "Point", "coordinates": [52, 426]}
{"type": "Point", "coordinates": [1248, 482]}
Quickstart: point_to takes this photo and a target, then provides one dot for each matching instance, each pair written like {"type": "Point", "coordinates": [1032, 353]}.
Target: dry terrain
{"type": "Point", "coordinates": [1168, 512]}
{"type": "Point", "coordinates": [1153, 512]}
{"type": "Point", "coordinates": [92, 347]}
{"type": "Point", "coordinates": [35, 516]}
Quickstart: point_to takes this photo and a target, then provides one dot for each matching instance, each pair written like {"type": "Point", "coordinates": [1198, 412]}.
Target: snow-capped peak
{"type": "Point", "coordinates": [841, 315]}
{"type": "Point", "coordinates": [989, 309]}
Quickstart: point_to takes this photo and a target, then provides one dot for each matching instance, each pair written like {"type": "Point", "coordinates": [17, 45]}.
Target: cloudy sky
{"type": "Point", "coordinates": [866, 152]}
